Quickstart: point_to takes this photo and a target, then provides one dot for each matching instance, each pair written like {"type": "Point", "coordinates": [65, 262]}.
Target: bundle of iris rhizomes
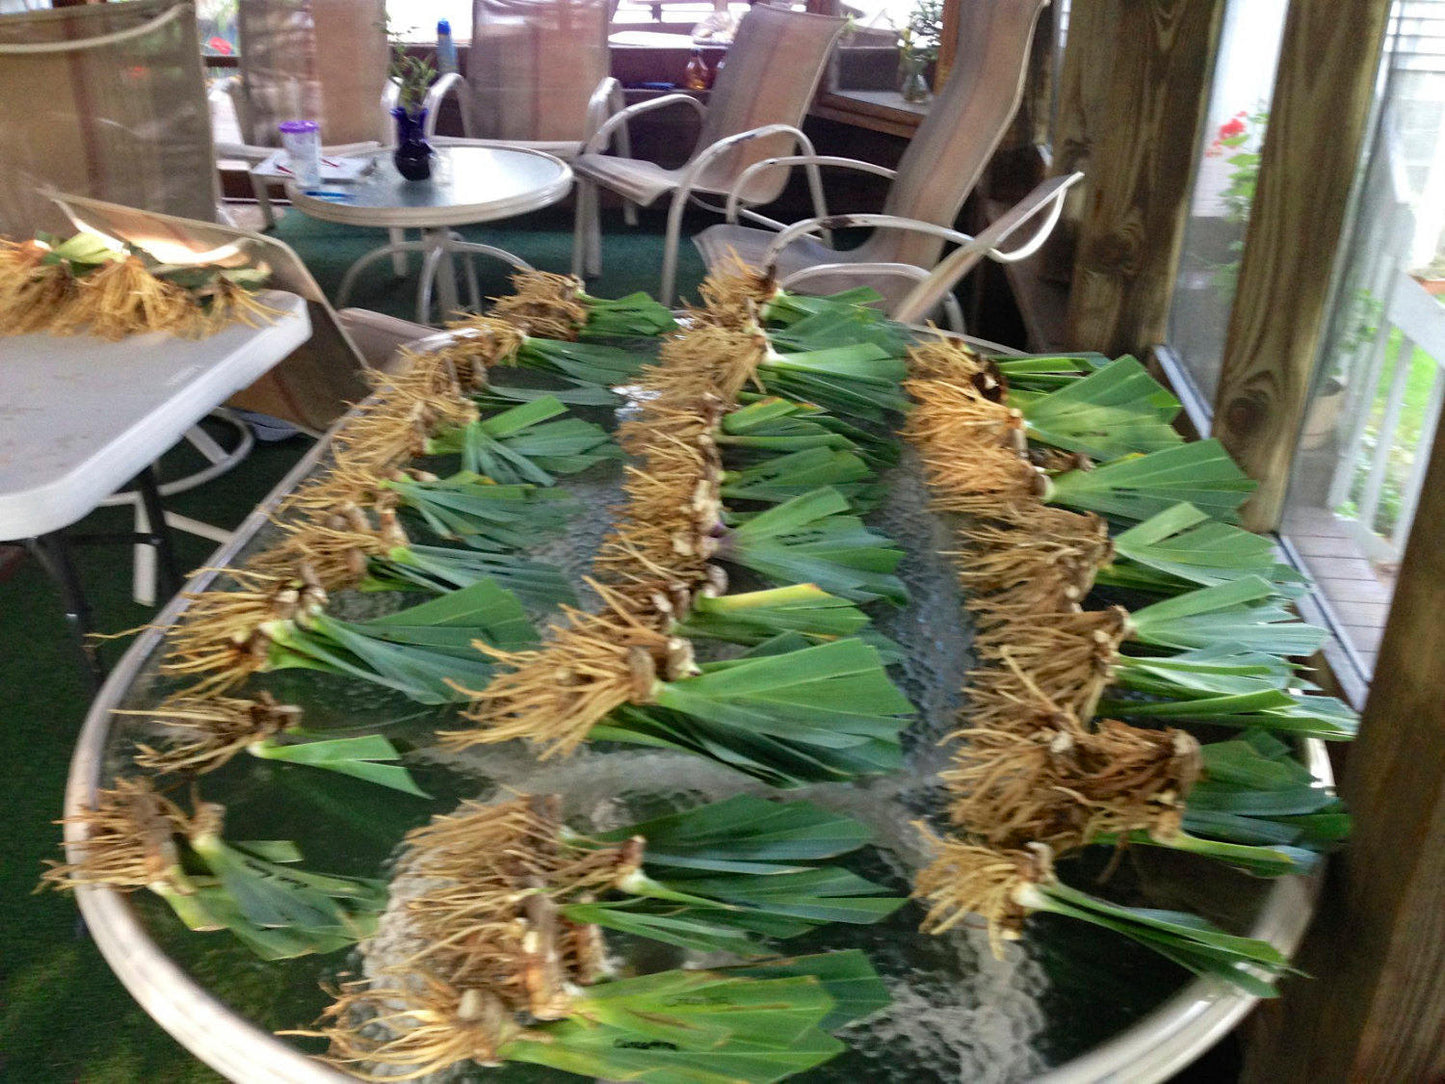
{"type": "Point", "coordinates": [1069, 492]}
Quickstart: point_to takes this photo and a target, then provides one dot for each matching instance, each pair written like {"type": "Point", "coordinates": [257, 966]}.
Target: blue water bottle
{"type": "Point", "coordinates": [446, 49]}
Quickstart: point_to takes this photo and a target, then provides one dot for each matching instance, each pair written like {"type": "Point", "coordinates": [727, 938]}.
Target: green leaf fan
{"type": "Point", "coordinates": [203, 733]}
{"type": "Point", "coordinates": [1007, 886]}
{"type": "Point", "coordinates": [1181, 547]}
{"type": "Point", "coordinates": [469, 508]}
{"type": "Point", "coordinates": [423, 651]}
{"type": "Point", "coordinates": [136, 838]}
{"type": "Point", "coordinates": [1115, 410]}
{"type": "Point", "coordinates": [521, 445]}
{"type": "Point", "coordinates": [1136, 487]}
{"type": "Point", "coordinates": [783, 713]}
{"type": "Point", "coordinates": [808, 539]}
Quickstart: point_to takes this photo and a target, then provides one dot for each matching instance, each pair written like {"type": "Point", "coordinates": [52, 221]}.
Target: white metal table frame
{"type": "Point", "coordinates": [80, 417]}
{"type": "Point", "coordinates": [439, 243]}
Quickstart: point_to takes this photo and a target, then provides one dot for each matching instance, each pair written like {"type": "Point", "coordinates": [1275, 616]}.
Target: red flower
{"type": "Point", "coordinates": [220, 45]}
{"type": "Point", "coordinates": [1232, 127]}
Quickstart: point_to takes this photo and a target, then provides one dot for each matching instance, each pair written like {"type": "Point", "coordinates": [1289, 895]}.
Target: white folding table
{"type": "Point", "coordinates": [80, 417]}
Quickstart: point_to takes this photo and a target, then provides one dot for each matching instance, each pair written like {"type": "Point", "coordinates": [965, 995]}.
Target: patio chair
{"type": "Point", "coordinates": [966, 120]}
{"type": "Point", "coordinates": [321, 60]}
{"type": "Point", "coordinates": [756, 107]}
{"type": "Point", "coordinates": [107, 100]}
{"type": "Point", "coordinates": [537, 75]}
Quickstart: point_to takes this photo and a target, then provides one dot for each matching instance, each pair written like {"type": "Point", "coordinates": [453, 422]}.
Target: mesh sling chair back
{"type": "Point", "coordinates": [754, 112]}
{"type": "Point", "coordinates": [107, 100]}
{"type": "Point", "coordinates": [321, 60]}
{"type": "Point", "coordinates": [944, 160]}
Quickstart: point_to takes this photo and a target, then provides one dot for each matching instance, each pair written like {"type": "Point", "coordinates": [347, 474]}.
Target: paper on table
{"type": "Point", "coordinates": [332, 169]}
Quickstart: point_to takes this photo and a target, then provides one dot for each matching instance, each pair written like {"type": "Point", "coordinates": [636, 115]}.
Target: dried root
{"type": "Point", "coordinates": [544, 305]}
{"type": "Point", "coordinates": [554, 695]}
{"type": "Point", "coordinates": [206, 732]}
{"type": "Point", "coordinates": [32, 293]}
{"type": "Point", "coordinates": [129, 840]}
{"type": "Point", "coordinates": [414, 1032]}
{"type": "Point", "coordinates": [222, 633]}
{"type": "Point", "coordinates": [1066, 659]}
{"type": "Point", "coordinates": [967, 879]}
{"type": "Point", "coordinates": [1065, 786]}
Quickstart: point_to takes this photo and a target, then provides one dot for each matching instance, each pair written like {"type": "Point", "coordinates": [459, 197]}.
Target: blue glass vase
{"type": "Point", "coordinates": [413, 153]}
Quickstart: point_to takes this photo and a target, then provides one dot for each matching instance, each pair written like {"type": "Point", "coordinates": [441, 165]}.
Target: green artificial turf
{"type": "Point", "coordinates": [63, 1015]}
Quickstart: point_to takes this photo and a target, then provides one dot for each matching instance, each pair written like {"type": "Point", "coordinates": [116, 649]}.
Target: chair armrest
{"type": "Point", "coordinates": [603, 135]}
{"type": "Point", "coordinates": [843, 222]}
{"type": "Point", "coordinates": [606, 100]}
{"type": "Point", "coordinates": [735, 196]}
{"type": "Point", "coordinates": [1046, 199]}
{"type": "Point", "coordinates": [727, 143]}
{"type": "Point", "coordinates": [437, 93]}
{"type": "Point", "coordinates": [231, 87]}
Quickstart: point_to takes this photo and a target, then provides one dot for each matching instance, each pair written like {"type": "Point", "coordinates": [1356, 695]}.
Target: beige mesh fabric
{"type": "Point", "coordinates": [321, 60]}
{"type": "Point", "coordinates": [771, 72]}
{"type": "Point", "coordinates": [313, 386]}
{"type": "Point", "coordinates": [107, 100]}
{"type": "Point", "coordinates": [965, 122]}
{"type": "Point", "coordinates": [533, 65]}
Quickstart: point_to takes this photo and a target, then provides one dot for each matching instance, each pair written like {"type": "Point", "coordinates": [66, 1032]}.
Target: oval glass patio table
{"type": "Point", "coordinates": [468, 185]}
{"type": "Point", "coordinates": [1067, 1005]}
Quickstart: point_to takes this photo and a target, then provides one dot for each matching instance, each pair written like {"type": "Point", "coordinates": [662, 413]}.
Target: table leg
{"type": "Point", "coordinates": [53, 553]}
{"type": "Point", "coordinates": [349, 279]}
{"type": "Point", "coordinates": [446, 273]}
{"type": "Point", "coordinates": [156, 533]}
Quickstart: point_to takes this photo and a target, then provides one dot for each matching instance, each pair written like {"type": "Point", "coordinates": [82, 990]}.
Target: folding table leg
{"type": "Point", "coordinates": [53, 553]}
{"type": "Point", "coordinates": [156, 533]}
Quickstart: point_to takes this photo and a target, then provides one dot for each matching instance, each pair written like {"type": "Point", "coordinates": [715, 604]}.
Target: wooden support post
{"type": "Point", "coordinates": [1132, 104]}
{"type": "Point", "coordinates": [1318, 115]}
{"type": "Point", "coordinates": [1374, 1006]}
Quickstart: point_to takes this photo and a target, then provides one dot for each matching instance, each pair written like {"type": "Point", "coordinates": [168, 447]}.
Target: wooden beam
{"type": "Point", "coordinates": [1321, 104]}
{"type": "Point", "coordinates": [1132, 104]}
{"type": "Point", "coordinates": [1374, 1008]}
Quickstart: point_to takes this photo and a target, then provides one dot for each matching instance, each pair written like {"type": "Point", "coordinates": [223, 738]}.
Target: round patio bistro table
{"type": "Point", "coordinates": [1050, 1016]}
{"type": "Point", "coordinates": [468, 185]}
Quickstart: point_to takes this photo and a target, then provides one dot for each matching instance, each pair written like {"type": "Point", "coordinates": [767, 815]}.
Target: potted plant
{"type": "Point", "coordinates": [413, 76]}
{"type": "Point", "coordinates": [918, 44]}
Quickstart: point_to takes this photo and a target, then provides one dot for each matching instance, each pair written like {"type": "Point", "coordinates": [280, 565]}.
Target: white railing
{"type": "Point", "coordinates": [1419, 321]}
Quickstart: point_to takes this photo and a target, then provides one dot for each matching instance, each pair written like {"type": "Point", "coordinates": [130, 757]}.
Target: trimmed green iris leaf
{"type": "Point", "coordinates": [1136, 487]}
{"type": "Point", "coordinates": [807, 540]}
{"type": "Point", "coordinates": [521, 445]}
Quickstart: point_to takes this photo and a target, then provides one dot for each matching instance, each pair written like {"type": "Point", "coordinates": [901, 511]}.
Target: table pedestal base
{"type": "Point", "coordinates": [438, 247]}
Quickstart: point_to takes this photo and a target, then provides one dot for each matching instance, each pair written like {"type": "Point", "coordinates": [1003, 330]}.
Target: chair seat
{"type": "Point", "coordinates": [892, 280]}
{"type": "Point", "coordinates": [637, 179]}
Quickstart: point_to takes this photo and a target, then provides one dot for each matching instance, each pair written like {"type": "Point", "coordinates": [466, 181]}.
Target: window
{"type": "Point", "coordinates": [1379, 385]}
{"type": "Point", "coordinates": [1223, 187]}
